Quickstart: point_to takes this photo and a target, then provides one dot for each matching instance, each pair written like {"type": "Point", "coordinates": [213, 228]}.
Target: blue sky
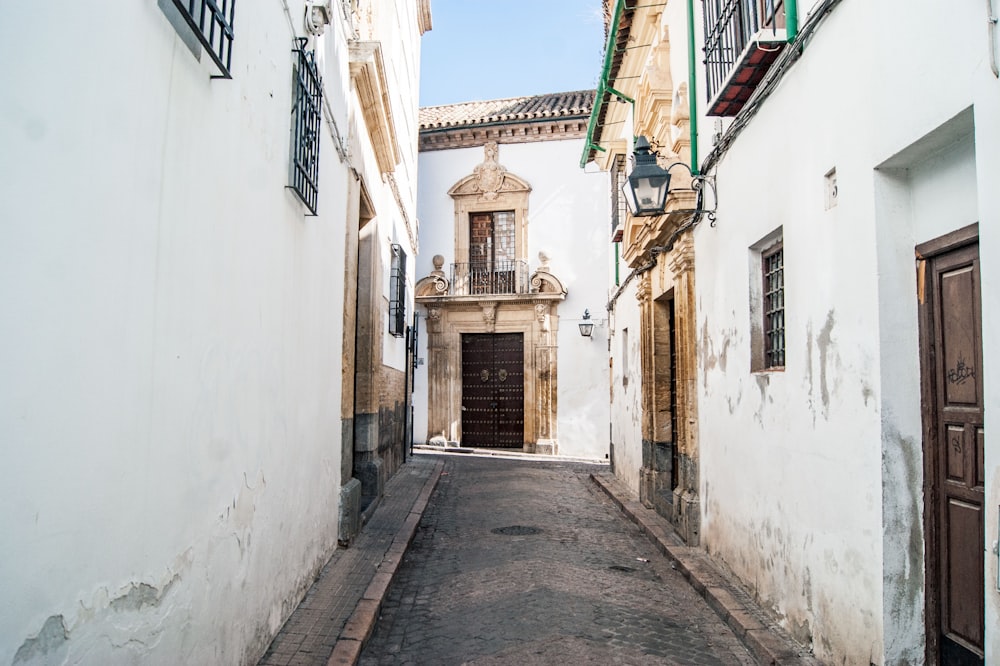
{"type": "Point", "coordinates": [484, 49]}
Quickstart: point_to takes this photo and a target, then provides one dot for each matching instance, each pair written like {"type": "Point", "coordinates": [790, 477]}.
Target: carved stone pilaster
{"type": "Point", "coordinates": [682, 255]}
{"type": "Point", "coordinates": [490, 315]}
{"type": "Point", "coordinates": [434, 320]}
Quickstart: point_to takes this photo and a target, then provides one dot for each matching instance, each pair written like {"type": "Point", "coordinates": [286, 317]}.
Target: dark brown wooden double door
{"type": "Point", "coordinates": [951, 341]}
{"type": "Point", "coordinates": [493, 390]}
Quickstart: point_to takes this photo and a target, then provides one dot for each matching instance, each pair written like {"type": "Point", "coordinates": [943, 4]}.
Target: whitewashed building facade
{"type": "Point", "coordinates": [511, 261]}
{"type": "Point", "coordinates": [843, 390]}
{"type": "Point", "coordinates": [180, 193]}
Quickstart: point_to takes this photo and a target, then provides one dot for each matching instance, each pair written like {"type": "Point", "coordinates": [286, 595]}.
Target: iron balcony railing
{"type": "Point", "coordinates": [489, 278]}
{"type": "Point", "coordinates": [729, 26]}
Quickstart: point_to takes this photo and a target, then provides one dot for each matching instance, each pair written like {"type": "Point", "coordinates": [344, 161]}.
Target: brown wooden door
{"type": "Point", "coordinates": [951, 340]}
{"type": "Point", "coordinates": [493, 390]}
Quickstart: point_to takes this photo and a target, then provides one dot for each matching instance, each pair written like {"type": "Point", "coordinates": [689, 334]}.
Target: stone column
{"type": "Point", "coordinates": [546, 441]}
{"type": "Point", "coordinates": [687, 499]}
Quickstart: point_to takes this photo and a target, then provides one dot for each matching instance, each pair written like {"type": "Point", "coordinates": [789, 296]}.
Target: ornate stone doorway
{"type": "Point", "coordinates": [493, 390]}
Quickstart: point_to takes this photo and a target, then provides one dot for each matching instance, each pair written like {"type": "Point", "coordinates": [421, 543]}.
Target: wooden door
{"type": "Point", "coordinates": [493, 390]}
{"type": "Point", "coordinates": [951, 349]}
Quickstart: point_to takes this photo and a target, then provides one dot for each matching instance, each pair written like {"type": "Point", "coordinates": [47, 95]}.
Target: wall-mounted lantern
{"type": "Point", "coordinates": [586, 326]}
{"type": "Point", "coordinates": [648, 185]}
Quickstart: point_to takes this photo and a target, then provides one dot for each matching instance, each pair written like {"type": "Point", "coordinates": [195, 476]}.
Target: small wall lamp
{"type": "Point", "coordinates": [648, 185]}
{"type": "Point", "coordinates": [586, 326]}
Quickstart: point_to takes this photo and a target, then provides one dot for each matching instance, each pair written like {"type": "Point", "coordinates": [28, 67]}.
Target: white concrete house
{"type": "Point", "coordinates": [179, 197]}
{"type": "Point", "coordinates": [511, 261]}
{"type": "Point", "coordinates": [844, 394]}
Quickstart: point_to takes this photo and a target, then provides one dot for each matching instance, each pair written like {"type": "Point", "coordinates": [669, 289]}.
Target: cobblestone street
{"type": "Point", "coordinates": [519, 562]}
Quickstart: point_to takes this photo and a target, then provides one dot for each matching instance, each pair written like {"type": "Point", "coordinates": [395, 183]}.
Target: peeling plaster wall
{"type": "Point", "coordinates": [791, 459]}
{"type": "Point", "coordinates": [918, 198]}
{"type": "Point", "coordinates": [172, 336]}
{"type": "Point", "coordinates": [626, 387]}
{"type": "Point", "coordinates": [567, 219]}
{"type": "Point", "coordinates": [812, 476]}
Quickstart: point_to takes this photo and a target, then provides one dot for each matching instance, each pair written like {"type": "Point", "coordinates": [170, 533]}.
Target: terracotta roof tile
{"type": "Point", "coordinates": [553, 105]}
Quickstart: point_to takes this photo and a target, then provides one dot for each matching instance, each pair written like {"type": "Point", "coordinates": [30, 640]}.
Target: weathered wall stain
{"type": "Point", "coordinates": [867, 393]}
{"type": "Point", "coordinates": [140, 596]}
{"type": "Point", "coordinates": [903, 568]}
{"type": "Point", "coordinates": [763, 380]}
{"type": "Point", "coordinates": [52, 636]}
{"type": "Point", "coordinates": [824, 342]}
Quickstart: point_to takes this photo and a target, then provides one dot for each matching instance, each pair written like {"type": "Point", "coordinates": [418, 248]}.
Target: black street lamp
{"type": "Point", "coordinates": [647, 186]}
{"type": "Point", "coordinates": [586, 326]}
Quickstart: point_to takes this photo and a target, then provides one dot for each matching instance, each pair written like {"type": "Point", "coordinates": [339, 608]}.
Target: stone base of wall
{"type": "Point", "coordinates": [655, 490]}
{"type": "Point", "coordinates": [350, 512]}
{"type": "Point", "coordinates": [547, 447]}
{"type": "Point", "coordinates": [687, 516]}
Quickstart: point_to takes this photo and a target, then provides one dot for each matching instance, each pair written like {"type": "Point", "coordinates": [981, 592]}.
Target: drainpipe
{"type": "Point", "coordinates": [792, 19]}
{"type": "Point", "coordinates": [617, 269]}
{"type": "Point", "coordinates": [991, 19]}
{"type": "Point", "coordinates": [609, 54]}
{"type": "Point", "coordinates": [692, 89]}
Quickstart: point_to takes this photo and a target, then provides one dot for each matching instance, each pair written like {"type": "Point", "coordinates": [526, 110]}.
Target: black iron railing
{"type": "Point", "coordinates": [212, 22]}
{"type": "Point", "coordinates": [729, 27]}
{"type": "Point", "coordinates": [306, 124]}
{"type": "Point", "coordinates": [490, 277]}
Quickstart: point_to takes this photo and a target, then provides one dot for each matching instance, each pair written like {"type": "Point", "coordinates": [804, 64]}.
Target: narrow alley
{"type": "Point", "coordinates": [518, 562]}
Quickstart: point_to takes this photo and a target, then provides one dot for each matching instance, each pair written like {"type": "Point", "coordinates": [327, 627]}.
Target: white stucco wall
{"type": "Point", "coordinates": [171, 358]}
{"type": "Point", "coordinates": [567, 219]}
{"type": "Point", "coordinates": [626, 384]}
{"type": "Point", "coordinates": [812, 477]}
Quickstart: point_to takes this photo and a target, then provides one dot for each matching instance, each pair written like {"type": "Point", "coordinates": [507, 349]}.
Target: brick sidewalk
{"type": "Point", "coordinates": [339, 611]}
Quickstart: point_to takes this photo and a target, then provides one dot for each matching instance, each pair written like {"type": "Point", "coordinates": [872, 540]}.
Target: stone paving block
{"type": "Point", "coordinates": [345, 653]}
{"type": "Point", "coordinates": [379, 585]}
{"type": "Point", "coordinates": [359, 626]}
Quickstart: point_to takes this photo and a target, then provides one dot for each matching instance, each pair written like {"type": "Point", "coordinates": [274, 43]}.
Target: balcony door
{"type": "Point", "coordinates": [492, 254]}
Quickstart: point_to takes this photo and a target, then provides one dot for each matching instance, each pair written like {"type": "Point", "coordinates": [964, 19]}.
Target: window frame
{"type": "Point", "coordinates": [773, 305]}
{"type": "Point", "coordinates": [397, 291]}
{"type": "Point", "coordinates": [307, 124]}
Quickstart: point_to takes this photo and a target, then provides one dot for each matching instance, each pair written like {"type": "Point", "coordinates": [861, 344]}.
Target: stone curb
{"type": "Point", "coordinates": [765, 641]}
{"type": "Point", "coordinates": [361, 623]}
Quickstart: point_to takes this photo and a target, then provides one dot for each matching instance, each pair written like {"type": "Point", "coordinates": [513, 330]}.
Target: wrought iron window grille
{"type": "Point", "coordinates": [773, 264]}
{"type": "Point", "coordinates": [730, 27]}
{"type": "Point", "coordinates": [397, 292]}
{"type": "Point", "coordinates": [212, 22]}
{"type": "Point", "coordinates": [306, 126]}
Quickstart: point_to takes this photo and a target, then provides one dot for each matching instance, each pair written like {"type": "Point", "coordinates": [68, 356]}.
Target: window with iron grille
{"type": "Point", "coordinates": [306, 125]}
{"type": "Point", "coordinates": [212, 23]}
{"type": "Point", "coordinates": [397, 292]}
{"type": "Point", "coordinates": [618, 207]}
{"type": "Point", "coordinates": [773, 265]}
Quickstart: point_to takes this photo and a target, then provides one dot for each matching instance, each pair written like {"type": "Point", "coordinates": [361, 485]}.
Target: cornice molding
{"type": "Point", "coordinates": [474, 136]}
{"type": "Point", "coordinates": [368, 77]}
